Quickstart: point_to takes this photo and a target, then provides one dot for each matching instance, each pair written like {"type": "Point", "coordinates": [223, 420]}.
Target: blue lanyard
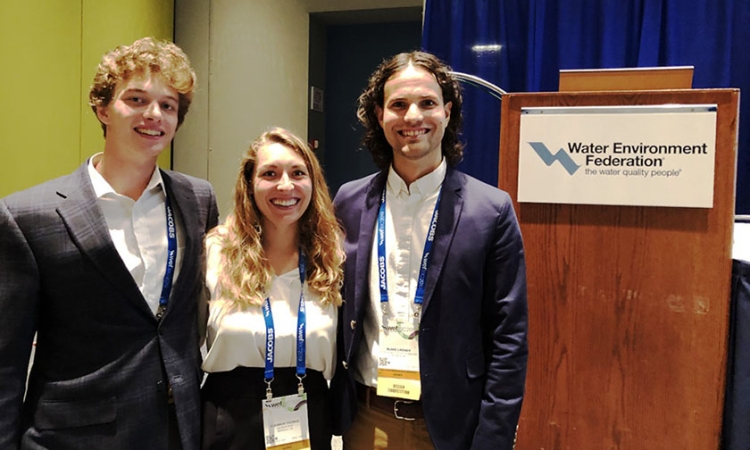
{"type": "Point", "coordinates": [166, 287]}
{"type": "Point", "coordinates": [419, 295]}
{"type": "Point", "coordinates": [301, 324]}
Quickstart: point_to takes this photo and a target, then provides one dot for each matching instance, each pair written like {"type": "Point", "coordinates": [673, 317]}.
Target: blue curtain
{"type": "Point", "coordinates": [520, 45]}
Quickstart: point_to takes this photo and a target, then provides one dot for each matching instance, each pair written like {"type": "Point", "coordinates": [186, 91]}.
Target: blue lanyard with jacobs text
{"type": "Point", "coordinates": [270, 335]}
{"type": "Point", "coordinates": [419, 294]}
{"type": "Point", "coordinates": [166, 287]}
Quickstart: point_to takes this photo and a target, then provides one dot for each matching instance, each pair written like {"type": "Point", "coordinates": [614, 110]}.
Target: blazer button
{"type": "Point", "coordinates": [345, 364]}
{"type": "Point", "coordinates": [353, 324]}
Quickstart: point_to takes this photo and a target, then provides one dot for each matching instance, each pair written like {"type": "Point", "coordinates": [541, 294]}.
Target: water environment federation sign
{"type": "Point", "coordinates": [660, 155]}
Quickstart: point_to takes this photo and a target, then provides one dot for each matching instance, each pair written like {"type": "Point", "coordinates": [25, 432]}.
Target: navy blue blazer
{"type": "Point", "coordinates": [102, 360]}
{"type": "Point", "coordinates": [472, 337]}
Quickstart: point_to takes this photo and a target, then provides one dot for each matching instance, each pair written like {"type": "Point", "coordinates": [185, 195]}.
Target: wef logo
{"type": "Point", "coordinates": [563, 158]}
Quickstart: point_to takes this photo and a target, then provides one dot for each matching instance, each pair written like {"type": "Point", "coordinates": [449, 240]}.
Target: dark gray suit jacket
{"type": "Point", "coordinates": [103, 362]}
{"type": "Point", "coordinates": [472, 335]}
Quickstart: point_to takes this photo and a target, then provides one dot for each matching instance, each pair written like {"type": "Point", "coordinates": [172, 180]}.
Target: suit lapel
{"type": "Point", "coordinates": [88, 229]}
{"type": "Point", "coordinates": [450, 210]}
{"type": "Point", "coordinates": [364, 247]}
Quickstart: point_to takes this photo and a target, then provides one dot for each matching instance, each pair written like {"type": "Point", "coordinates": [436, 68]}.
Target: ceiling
{"type": "Point", "coordinates": [315, 6]}
{"type": "Point", "coordinates": [339, 12]}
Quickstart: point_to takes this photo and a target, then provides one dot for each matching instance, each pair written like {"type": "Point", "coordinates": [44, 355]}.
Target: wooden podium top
{"type": "Point", "coordinates": [633, 79]}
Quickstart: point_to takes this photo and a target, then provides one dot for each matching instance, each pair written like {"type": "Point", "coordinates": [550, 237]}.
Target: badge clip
{"type": "Point", "coordinates": [269, 393]}
{"type": "Point", "coordinates": [300, 386]}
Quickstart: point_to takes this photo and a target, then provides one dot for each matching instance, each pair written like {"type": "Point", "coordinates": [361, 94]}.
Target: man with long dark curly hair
{"type": "Point", "coordinates": [432, 338]}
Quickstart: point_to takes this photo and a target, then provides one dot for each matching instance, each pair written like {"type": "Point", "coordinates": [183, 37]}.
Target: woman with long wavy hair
{"type": "Point", "coordinates": [279, 256]}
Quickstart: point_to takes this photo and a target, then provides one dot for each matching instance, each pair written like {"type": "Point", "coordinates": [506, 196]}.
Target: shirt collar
{"type": "Point", "coordinates": [424, 186]}
{"type": "Point", "coordinates": [103, 188]}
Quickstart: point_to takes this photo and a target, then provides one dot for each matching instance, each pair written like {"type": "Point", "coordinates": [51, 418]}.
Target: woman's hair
{"type": "Point", "coordinates": [373, 97]}
{"type": "Point", "coordinates": [245, 271]}
{"type": "Point", "coordinates": [144, 56]}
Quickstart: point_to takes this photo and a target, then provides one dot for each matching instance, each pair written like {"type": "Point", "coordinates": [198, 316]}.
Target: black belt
{"type": "Point", "coordinates": [400, 408]}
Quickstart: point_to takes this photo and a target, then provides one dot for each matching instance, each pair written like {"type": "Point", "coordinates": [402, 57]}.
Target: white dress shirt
{"type": "Point", "coordinates": [139, 231]}
{"type": "Point", "coordinates": [408, 209]}
{"type": "Point", "coordinates": [236, 335]}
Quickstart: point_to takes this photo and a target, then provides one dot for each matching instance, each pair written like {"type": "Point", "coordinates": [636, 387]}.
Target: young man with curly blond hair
{"type": "Point", "coordinates": [105, 266]}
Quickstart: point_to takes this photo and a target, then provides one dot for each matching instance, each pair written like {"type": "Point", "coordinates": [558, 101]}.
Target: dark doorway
{"type": "Point", "coordinates": [344, 50]}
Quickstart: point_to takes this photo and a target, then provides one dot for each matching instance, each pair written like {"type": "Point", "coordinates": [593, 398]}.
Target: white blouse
{"type": "Point", "coordinates": [236, 335]}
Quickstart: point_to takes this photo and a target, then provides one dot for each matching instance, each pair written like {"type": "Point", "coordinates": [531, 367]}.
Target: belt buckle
{"type": "Point", "coordinates": [395, 409]}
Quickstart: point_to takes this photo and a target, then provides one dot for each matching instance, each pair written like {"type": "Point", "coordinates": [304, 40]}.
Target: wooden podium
{"type": "Point", "coordinates": [628, 306]}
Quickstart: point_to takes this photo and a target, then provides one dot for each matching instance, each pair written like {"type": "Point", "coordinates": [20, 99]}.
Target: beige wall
{"type": "Point", "coordinates": [253, 75]}
{"type": "Point", "coordinates": [51, 48]}
{"type": "Point", "coordinates": [191, 33]}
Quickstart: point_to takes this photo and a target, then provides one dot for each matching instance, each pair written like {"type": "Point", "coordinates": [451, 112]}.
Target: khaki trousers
{"type": "Point", "coordinates": [375, 429]}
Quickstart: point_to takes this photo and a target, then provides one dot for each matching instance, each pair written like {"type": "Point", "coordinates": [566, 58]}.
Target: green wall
{"type": "Point", "coordinates": [50, 49]}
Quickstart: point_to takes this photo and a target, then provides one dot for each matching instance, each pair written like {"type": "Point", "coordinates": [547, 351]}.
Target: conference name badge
{"type": "Point", "coordinates": [285, 423]}
{"type": "Point", "coordinates": [398, 363]}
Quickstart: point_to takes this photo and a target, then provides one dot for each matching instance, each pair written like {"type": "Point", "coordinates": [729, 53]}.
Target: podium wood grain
{"type": "Point", "coordinates": [628, 306]}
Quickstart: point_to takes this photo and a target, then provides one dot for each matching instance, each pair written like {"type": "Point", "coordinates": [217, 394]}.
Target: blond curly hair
{"type": "Point", "coordinates": [144, 56]}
